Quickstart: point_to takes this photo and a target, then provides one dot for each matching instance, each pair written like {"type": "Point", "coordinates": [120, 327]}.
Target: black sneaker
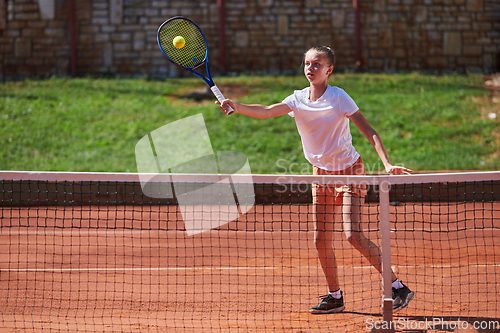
{"type": "Point", "coordinates": [401, 297]}
{"type": "Point", "coordinates": [328, 304]}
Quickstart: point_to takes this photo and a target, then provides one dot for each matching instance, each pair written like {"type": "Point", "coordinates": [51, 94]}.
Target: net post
{"type": "Point", "coordinates": [385, 236]}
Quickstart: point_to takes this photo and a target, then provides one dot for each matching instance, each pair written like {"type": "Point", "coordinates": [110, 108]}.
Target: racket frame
{"type": "Point", "coordinates": [208, 80]}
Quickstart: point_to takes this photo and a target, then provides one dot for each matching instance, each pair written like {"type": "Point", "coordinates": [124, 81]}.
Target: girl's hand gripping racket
{"type": "Point", "coordinates": [184, 44]}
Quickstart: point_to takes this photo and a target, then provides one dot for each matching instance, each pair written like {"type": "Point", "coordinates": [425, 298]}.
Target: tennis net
{"type": "Point", "coordinates": [103, 252]}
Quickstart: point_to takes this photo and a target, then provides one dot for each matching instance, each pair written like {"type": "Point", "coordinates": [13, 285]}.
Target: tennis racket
{"type": "Point", "coordinates": [191, 52]}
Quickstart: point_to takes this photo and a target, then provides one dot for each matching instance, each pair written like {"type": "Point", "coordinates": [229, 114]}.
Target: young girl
{"type": "Point", "coordinates": [322, 115]}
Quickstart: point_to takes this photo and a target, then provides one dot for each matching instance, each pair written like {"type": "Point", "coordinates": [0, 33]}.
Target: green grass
{"type": "Point", "coordinates": [84, 124]}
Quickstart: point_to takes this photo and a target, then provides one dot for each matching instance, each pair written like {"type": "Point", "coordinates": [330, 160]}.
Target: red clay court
{"type": "Point", "coordinates": [132, 268]}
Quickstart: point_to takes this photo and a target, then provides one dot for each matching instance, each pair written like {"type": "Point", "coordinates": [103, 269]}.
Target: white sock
{"type": "Point", "coordinates": [397, 284]}
{"type": "Point", "coordinates": [336, 294]}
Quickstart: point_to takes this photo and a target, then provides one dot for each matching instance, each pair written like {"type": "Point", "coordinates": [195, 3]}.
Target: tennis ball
{"type": "Point", "coordinates": [179, 42]}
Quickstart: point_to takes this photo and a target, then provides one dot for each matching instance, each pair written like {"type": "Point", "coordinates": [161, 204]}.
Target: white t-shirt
{"type": "Point", "coordinates": [323, 126]}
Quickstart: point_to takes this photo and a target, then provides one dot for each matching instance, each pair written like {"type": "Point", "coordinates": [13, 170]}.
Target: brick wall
{"type": "Point", "coordinates": [462, 35]}
{"type": "Point", "coordinates": [272, 35]}
{"type": "Point", "coordinates": [269, 36]}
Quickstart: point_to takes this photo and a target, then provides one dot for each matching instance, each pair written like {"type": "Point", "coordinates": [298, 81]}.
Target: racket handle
{"type": "Point", "coordinates": [220, 97]}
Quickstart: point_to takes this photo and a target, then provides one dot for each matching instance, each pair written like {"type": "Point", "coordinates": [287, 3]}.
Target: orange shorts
{"type": "Point", "coordinates": [321, 193]}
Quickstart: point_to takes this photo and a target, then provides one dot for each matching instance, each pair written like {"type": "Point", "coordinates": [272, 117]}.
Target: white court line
{"type": "Point", "coordinates": [442, 230]}
{"type": "Point", "coordinates": [98, 231]}
{"type": "Point", "coordinates": [145, 269]}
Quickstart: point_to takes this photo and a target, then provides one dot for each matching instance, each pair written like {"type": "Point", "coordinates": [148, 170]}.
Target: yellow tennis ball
{"type": "Point", "coordinates": [179, 42]}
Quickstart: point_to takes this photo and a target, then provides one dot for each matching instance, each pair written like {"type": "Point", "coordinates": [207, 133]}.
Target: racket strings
{"type": "Point", "coordinates": [193, 53]}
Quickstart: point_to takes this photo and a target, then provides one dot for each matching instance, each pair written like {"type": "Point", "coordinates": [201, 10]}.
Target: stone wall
{"type": "Point", "coordinates": [453, 35]}
{"type": "Point", "coordinates": [272, 35]}
{"type": "Point", "coordinates": [268, 36]}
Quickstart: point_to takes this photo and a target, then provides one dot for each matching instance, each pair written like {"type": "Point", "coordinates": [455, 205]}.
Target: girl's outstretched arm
{"type": "Point", "coordinates": [255, 110]}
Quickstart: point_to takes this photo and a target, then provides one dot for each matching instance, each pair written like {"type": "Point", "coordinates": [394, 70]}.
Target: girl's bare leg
{"type": "Point", "coordinates": [351, 217]}
{"type": "Point", "coordinates": [323, 239]}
